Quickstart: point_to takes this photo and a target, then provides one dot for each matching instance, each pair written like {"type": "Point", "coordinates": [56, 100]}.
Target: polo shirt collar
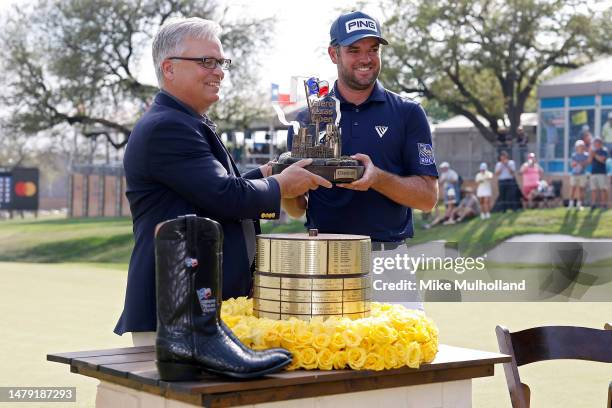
{"type": "Point", "coordinates": [377, 95]}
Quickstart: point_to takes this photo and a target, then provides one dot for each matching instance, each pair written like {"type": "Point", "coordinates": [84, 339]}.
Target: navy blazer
{"type": "Point", "coordinates": [176, 165]}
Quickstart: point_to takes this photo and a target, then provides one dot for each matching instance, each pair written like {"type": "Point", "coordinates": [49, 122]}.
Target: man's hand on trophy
{"type": "Point", "coordinates": [370, 175]}
{"type": "Point", "coordinates": [295, 180]}
{"type": "Point", "coordinates": [266, 169]}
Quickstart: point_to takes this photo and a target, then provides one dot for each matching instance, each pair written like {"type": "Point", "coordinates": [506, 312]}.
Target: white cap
{"type": "Point", "coordinates": [579, 142]}
{"type": "Point", "coordinates": [585, 128]}
{"type": "Point", "coordinates": [483, 166]}
{"type": "Point", "coordinates": [444, 165]}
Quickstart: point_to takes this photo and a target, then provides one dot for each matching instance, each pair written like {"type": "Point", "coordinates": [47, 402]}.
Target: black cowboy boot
{"type": "Point", "coordinates": [190, 337]}
{"type": "Point", "coordinates": [235, 338]}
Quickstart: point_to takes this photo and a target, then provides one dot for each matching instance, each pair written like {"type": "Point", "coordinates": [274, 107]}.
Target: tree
{"type": "Point", "coordinates": [483, 58]}
{"type": "Point", "coordinates": [76, 62]}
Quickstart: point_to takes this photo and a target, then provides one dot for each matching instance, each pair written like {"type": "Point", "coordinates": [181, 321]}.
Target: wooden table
{"type": "Point", "coordinates": [129, 379]}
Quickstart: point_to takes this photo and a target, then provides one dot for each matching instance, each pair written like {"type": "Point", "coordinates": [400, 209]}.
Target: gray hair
{"type": "Point", "coordinates": [171, 36]}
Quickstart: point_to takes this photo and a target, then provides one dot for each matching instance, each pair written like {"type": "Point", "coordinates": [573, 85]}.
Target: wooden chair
{"type": "Point", "coordinates": [608, 326]}
{"type": "Point", "coordinates": [550, 343]}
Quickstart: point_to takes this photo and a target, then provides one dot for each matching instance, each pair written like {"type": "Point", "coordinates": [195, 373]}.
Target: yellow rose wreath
{"type": "Point", "coordinates": [391, 337]}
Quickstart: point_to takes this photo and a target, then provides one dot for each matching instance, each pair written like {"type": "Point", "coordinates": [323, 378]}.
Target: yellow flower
{"type": "Point", "coordinates": [231, 320]}
{"type": "Point", "coordinates": [413, 355]}
{"type": "Point", "coordinates": [325, 359]}
{"type": "Point", "coordinates": [287, 336]}
{"type": "Point", "coordinates": [340, 360]}
{"type": "Point", "coordinates": [271, 338]}
{"type": "Point", "coordinates": [402, 353]}
{"type": "Point", "coordinates": [242, 331]}
{"type": "Point", "coordinates": [391, 337]}
{"type": "Point", "coordinates": [408, 335]}
{"type": "Point", "coordinates": [383, 334]}
{"type": "Point", "coordinates": [321, 341]}
{"type": "Point", "coordinates": [429, 351]}
{"type": "Point", "coordinates": [308, 358]}
{"type": "Point", "coordinates": [374, 361]}
{"type": "Point", "coordinates": [390, 356]}
{"type": "Point", "coordinates": [303, 338]}
{"type": "Point", "coordinates": [337, 342]}
{"type": "Point", "coordinates": [295, 362]}
{"type": "Point", "coordinates": [356, 357]}
{"type": "Point", "coordinates": [351, 338]}
{"type": "Point", "coordinates": [367, 343]}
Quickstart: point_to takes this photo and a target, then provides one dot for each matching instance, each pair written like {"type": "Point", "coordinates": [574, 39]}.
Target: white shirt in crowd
{"type": "Point", "coordinates": [505, 173]}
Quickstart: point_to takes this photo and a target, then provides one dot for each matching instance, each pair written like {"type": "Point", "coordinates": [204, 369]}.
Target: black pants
{"type": "Point", "coordinates": [509, 196]}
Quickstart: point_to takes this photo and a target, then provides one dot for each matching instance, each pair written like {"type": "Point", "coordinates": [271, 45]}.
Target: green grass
{"type": "Point", "coordinates": [92, 240]}
{"type": "Point", "coordinates": [109, 240]}
{"type": "Point", "coordinates": [102, 240]}
{"type": "Point", "coordinates": [477, 236]}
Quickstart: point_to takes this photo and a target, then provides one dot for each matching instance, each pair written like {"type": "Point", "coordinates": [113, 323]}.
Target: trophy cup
{"type": "Point", "coordinates": [319, 139]}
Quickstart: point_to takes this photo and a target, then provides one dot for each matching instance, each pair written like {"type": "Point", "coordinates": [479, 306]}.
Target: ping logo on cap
{"type": "Point", "coordinates": [360, 24]}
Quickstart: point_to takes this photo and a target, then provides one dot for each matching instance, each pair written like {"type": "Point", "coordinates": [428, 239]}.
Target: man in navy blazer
{"type": "Point", "coordinates": [175, 164]}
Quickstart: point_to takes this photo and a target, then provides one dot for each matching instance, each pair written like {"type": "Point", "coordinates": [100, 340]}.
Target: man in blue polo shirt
{"type": "Point", "coordinates": [389, 134]}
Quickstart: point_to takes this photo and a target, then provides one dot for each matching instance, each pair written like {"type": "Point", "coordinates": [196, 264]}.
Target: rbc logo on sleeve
{"type": "Point", "coordinates": [426, 156]}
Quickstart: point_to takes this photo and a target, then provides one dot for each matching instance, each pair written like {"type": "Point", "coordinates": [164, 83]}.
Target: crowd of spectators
{"type": "Point", "coordinates": [525, 187]}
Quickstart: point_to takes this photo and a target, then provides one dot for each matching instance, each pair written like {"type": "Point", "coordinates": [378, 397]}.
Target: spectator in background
{"type": "Point", "coordinates": [606, 131]}
{"type": "Point", "coordinates": [578, 178]}
{"type": "Point", "coordinates": [484, 191]}
{"type": "Point", "coordinates": [531, 173]}
{"type": "Point", "coordinates": [586, 136]}
{"type": "Point", "coordinates": [467, 208]}
{"type": "Point", "coordinates": [509, 193]}
{"type": "Point", "coordinates": [599, 182]}
{"type": "Point", "coordinates": [449, 180]}
{"type": "Point", "coordinates": [609, 168]}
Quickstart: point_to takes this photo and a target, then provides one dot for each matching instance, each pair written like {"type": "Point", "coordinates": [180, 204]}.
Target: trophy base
{"type": "Point", "coordinates": [334, 170]}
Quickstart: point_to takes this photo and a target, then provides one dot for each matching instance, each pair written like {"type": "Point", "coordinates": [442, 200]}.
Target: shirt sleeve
{"type": "Point", "coordinates": [418, 154]}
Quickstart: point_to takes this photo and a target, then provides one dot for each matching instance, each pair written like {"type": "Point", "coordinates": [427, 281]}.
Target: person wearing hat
{"type": "Point", "coordinates": [469, 207]}
{"type": "Point", "coordinates": [599, 181]}
{"type": "Point", "coordinates": [484, 191]}
{"type": "Point", "coordinates": [578, 177]}
{"type": "Point", "coordinates": [531, 173]}
{"type": "Point", "coordinates": [448, 181]}
{"type": "Point", "coordinates": [388, 134]}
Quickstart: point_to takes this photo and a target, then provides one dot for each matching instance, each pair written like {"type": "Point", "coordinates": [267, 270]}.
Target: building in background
{"type": "Point", "coordinates": [460, 143]}
{"type": "Point", "coordinates": [575, 105]}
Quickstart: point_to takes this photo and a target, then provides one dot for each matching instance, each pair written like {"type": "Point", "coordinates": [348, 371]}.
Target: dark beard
{"type": "Point", "coordinates": [350, 80]}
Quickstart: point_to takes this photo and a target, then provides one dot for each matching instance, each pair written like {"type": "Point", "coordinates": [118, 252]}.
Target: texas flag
{"type": "Point", "coordinates": [276, 96]}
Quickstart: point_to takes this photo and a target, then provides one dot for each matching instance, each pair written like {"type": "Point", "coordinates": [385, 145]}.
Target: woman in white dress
{"type": "Point", "coordinates": [483, 192]}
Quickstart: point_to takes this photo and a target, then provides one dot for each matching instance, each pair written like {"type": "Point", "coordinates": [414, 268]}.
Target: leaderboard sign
{"type": "Point", "coordinates": [19, 189]}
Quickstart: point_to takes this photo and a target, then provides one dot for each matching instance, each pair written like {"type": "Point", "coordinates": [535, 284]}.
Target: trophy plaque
{"type": "Point", "coordinates": [319, 139]}
{"type": "Point", "coordinates": [307, 275]}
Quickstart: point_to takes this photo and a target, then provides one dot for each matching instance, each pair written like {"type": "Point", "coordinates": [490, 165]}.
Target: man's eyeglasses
{"type": "Point", "coordinates": [208, 62]}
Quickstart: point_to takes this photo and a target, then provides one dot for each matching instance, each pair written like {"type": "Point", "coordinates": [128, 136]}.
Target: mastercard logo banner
{"type": "Point", "coordinates": [25, 189]}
